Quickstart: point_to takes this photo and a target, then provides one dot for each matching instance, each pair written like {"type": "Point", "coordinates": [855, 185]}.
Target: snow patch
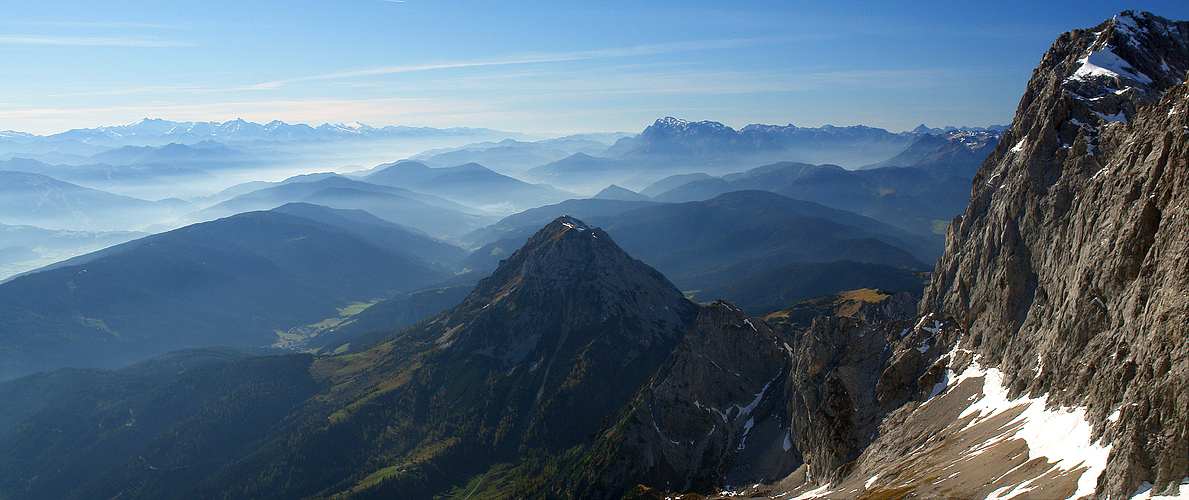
{"type": "Point", "coordinates": [751, 422]}
{"type": "Point", "coordinates": [745, 410]}
{"type": "Point", "coordinates": [1108, 64]}
{"type": "Point", "coordinates": [939, 387]}
{"type": "Point", "coordinates": [867, 485]}
{"type": "Point", "coordinates": [1019, 145]}
{"type": "Point", "coordinates": [721, 414]}
{"type": "Point", "coordinates": [815, 493]}
{"type": "Point", "coordinates": [1063, 436]}
{"type": "Point", "coordinates": [1126, 24]}
{"type": "Point", "coordinates": [1118, 116]}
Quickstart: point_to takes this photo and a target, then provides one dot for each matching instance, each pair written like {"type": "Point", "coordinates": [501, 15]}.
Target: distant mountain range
{"type": "Point", "coordinates": [671, 146]}
{"type": "Point", "coordinates": [513, 157]}
{"type": "Point", "coordinates": [907, 197]}
{"type": "Point", "coordinates": [158, 132]}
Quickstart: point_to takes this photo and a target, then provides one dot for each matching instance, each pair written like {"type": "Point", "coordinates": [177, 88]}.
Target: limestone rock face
{"type": "Point", "coordinates": [1070, 268]}
{"type": "Point", "coordinates": [712, 415]}
{"type": "Point", "coordinates": [739, 402]}
{"type": "Point", "coordinates": [847, 375]}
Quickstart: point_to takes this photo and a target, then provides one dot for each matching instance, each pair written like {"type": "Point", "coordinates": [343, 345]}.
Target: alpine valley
{"type": "Point", "coordinates": [203, 310]}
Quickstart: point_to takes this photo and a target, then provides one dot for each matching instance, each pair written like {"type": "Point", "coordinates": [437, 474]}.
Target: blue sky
{"type": "Point", "coordinates": [538, 67]}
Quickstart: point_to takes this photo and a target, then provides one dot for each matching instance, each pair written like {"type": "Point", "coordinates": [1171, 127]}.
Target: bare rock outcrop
{"type": "Point", "coordinates": [1070, 268]}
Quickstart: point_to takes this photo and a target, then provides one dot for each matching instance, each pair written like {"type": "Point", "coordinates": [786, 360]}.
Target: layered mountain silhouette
{"type": "Point", "coordinates": [754, 231]}
{"type": "Point", "coordinates": [514, 157]}
{"type": "Point", "coordinates": [511, 372]}
{"type": "Point", "coordinates": [37, 200]}
{"type": "Point", "coordinates": [470, 183]}
{"type": "Point", "coordinates": [206, 155]}
{"type": "Point", "coordinates": [614, 192]}
{"type": "Point", "coordinates": [236, 281]}
{"type": "Point", "coordinates": [431, 214]}
{"type": "Point", "coordinates": [556, 377]}
{"type": "Point", "coordinates": [517, 228]}
{"type": "Point", "coordinates": [913, 198]}
{"type": "Point", "coordinates": [674, 146]}
{"type": "Point", "coordinates": [25, 248]}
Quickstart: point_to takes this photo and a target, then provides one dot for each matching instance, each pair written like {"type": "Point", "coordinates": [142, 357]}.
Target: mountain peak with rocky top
{"type": "Point", "coordinates": [575, 274]}
{"type": "Point", "coordinates": [1123, 64]}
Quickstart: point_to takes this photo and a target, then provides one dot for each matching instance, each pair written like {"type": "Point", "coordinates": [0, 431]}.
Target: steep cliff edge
{"type": "Point", "coordinates": [1065, 370]}
{"type": "Point", "coordinates": [1069, 269]}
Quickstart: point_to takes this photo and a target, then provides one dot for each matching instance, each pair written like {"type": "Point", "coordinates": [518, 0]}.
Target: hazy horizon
{"type": "Point", "coordinates": [535, 69]}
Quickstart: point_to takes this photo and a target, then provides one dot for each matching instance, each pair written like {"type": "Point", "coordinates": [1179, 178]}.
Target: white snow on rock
{"type": "Point", "coordinates": [1107, 63]}
{"type": "Point", "coordinates": [1117, 117]}
{"type": "Point", "coordinates": [1062, 435]}
{"type": "Point", "coordinates": [811, 494]}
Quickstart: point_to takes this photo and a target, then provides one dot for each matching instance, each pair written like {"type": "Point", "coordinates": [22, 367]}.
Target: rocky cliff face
{"type": "Point", "coordinates": [713, 414]}
{"type": "Point", "coordinates": [1069, 269]}
{"type": "Point", "coordinates": [1060, 305]}
{"type": "Point", "coordinates": [739, 403]}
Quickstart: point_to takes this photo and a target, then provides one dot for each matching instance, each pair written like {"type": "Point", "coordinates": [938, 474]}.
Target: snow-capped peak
{"type": "Point", "coordinates": [669, 121]}
{"type": "Point", "coordinates": [354, 126]}
{"type": "Point", "coordinates": [1130, 61]}
{"type": "Point", "coordinates": [12, 134]}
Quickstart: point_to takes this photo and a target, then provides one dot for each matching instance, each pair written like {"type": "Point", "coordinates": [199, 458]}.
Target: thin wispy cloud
{"type": "Point", "coordinates": [639, 50]}
{"type": "Point", "coordinates": [92, 24]}
{"type": "Point", "coordinates": [88, 41]}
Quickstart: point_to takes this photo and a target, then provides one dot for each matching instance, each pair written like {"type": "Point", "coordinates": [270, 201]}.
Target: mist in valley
{"type": "Point", "coordinates": [397, 249]}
